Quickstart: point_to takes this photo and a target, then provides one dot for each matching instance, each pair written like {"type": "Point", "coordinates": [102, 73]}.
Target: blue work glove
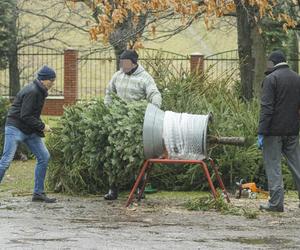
{"type": "Point", "coordinates": [260, 141]}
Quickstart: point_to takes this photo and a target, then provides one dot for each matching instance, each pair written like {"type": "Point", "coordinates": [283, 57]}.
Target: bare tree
{"type": "Point", "coordinates": [116, 22]}
{"type": "Point", "coordinates": [32, 24]}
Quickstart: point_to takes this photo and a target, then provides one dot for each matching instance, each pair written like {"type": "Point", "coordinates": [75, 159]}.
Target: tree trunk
{"type": "Point", "coordinates": [260, 63]}
{"type": "Point", "coordinates": [14, 77]}
{"type": "Point", "coordinates": [245, 49]}
{"type": "Point", "coordinates": [125, 33]}
{"type": "Point", "coordinates": [293, 51]}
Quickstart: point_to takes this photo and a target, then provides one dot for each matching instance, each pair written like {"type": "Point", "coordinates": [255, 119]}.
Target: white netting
{"type": "Point", "coordinates": [185, 135]}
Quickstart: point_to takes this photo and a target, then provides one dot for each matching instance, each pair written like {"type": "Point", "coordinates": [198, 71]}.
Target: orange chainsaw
{"type": "Point", "coordinates": [248, 190]}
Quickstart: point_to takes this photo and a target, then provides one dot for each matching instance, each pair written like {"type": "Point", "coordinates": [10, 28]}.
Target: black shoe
{"type": "Point", "coordinates": [271, 209]}
{"type": "Point", "coordinates": [111, 195]}
{"type": "Point", "coordinates": [42, 198]}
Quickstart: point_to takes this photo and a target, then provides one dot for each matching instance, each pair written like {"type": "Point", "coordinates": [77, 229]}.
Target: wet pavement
{"type": "Point", "coordinates": [92, 223]}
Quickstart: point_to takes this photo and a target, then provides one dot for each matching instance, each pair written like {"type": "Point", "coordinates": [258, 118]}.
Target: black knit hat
{"type": "Point", "coordinates": [46, 73]}
{"type": "Point", "coordinates": [130, 54]}
{"type": "Point", "coordinates": [277, 56]}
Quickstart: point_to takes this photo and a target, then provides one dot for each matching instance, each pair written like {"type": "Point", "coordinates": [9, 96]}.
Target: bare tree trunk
{"type": "Point", "coordinates": [260, 62]}
{"type": "Point", "coordinates": [245, 49]}
{"type": "Point", "coordinates": [125, 33]}
{"type": "Point", "coordinates": [14, 77]}
{"type": "Point", "coordinates": [293, 51]}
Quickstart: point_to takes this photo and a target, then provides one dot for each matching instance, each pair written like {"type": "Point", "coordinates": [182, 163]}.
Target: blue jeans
{"type": "Point", "coordinates": [13, 136]}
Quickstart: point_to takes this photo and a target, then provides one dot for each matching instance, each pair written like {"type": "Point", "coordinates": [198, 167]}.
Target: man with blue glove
{"type": "Point", "coordinates": [278, 132]}
{"type": "Point", "coordinates": [260, 141]}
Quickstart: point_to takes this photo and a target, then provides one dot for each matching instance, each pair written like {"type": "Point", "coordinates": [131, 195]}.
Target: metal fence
{"type": "Point", "coordinates": [224, 65]}
{"type": "Point", "coordinates": [97, 67]}
{"type": "Point", "coordinates": [30, 59]}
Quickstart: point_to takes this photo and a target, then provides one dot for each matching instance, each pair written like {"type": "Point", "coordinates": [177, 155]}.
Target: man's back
{"type": "Point", "coordinates": [280, 102]}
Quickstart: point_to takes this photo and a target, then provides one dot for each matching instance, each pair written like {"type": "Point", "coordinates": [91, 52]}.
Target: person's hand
{"type": "Point", "coordinates": [47, 128]}
{"type": "Point", "coordinates": [260, 141]}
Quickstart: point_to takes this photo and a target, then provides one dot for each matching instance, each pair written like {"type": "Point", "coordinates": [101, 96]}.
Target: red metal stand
{"type": "Point", "coordinates": [147, 166]}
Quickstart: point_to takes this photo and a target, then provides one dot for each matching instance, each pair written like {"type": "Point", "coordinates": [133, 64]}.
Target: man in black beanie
{"type": "Point", "coordinates": [131, 83]}
{"type": "Point", "coordinates": [278, 132]}
{"type": "Point", "coordinates": [24, 124]}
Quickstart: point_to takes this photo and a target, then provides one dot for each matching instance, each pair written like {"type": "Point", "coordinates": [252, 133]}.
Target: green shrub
{"type": "Point", "coordinates": [95, 145]}
{"type": "Point", "coordinates": [76, 150]}
{"type": "Point", "coordinates": [124, 153]}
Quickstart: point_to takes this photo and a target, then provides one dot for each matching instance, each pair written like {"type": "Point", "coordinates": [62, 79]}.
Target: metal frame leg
{"type": "Point", "coordinates": [137, 182]}
{"type": "Point", "coordinates": [145, 179]}
{"type": "Point", "coordinates": [216, 170]}
{"type": "Point", "coordinates": [148, 163]}
{"type": "Point", "coordinates": [207, 175]}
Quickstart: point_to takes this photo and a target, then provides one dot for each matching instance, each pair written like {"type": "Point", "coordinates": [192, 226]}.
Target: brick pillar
{"type": "Point", "coordinates": [54, 104]}
{"type": "Point", "coordinates": [197, 63]}
{"type": "Point", "coordinates": [70, 76]}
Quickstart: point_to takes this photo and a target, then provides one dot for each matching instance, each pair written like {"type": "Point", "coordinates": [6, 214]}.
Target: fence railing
{"type": "Point", "coordinates": [222, 65]}
{"type": "Point", "coordinates": [85, 74]}
{"type": "Point", "coordinates": [30, 59]}
{"type": "Point", "coordinates": [226, 65]}
{"type": "Point", "coordinates": [97, 67]}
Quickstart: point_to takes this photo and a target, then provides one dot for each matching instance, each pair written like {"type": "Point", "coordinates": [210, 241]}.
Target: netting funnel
{"type": "Point", "coordinates": [181, 135]}
{"type": "Point", "coordinates": [152, 132]}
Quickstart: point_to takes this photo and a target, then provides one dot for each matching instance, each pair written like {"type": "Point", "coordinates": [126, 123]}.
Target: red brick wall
{"type": "Point", "coordinates": [54, 106]}
{"type": "Point", "coordinates": [197, 63]}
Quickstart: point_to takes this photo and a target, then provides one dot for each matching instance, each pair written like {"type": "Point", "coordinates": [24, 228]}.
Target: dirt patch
{"type": "Point", "coordinates": [161, 221]}
{"type": "Point", "coordinates": [156, 223]}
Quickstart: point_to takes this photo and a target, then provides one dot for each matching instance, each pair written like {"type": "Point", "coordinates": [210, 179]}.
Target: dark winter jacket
{"type": "Point", "coordinates": [26, 109]}
{"type": "Point", "coordinates": [280, 102]}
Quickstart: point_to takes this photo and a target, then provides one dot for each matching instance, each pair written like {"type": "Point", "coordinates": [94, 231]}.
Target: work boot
{"type": "Point", "coordinates": [112, 193]}
{"type": "Point", "coordinates": [42, 198]}
{"type": "Point", "coordinates": [268, 208]}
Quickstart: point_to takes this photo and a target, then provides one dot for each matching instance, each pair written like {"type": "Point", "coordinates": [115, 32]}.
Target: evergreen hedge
{"type": "Point", "coordinates": [96, 145]}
